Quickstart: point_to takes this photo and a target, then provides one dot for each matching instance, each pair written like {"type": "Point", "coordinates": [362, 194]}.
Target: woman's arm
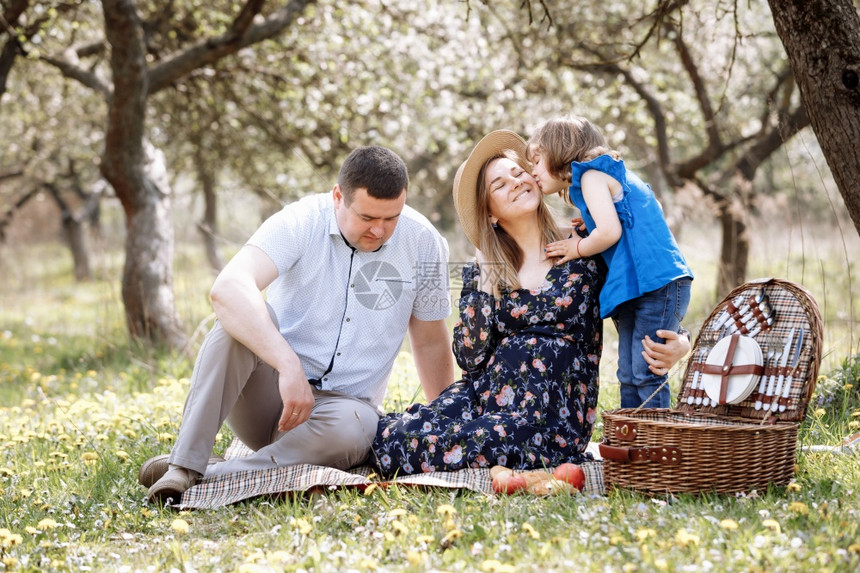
{"type": "Point", "coordinates": [474, 342]}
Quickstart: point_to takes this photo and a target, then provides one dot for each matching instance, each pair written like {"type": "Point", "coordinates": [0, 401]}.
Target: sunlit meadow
{"type": "Point", "coordinates": [82, 408]}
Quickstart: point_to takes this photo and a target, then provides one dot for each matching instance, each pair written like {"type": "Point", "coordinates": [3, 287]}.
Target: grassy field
{"type": "Point", "coordinates": [82, 408]}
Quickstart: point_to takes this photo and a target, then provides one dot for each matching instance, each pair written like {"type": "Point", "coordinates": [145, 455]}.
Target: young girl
{"type": "Point", "coordinates": [648, 284]}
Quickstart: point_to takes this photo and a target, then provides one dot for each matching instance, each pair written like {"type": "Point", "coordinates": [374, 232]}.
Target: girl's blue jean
{"type": "Point", "coordinates": [663, 308]}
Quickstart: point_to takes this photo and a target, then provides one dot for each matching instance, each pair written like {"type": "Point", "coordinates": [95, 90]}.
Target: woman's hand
{"type": "Point", "coordinates": [661, 357]}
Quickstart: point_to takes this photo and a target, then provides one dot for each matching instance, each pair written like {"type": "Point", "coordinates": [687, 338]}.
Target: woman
{"type": "Point", "coordinates": [528, 339]}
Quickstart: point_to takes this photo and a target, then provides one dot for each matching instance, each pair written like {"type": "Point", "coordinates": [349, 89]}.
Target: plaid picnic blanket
{"type": "Point", "coordinates": [210, 493]}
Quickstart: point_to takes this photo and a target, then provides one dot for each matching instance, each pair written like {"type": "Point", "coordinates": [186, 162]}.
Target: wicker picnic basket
{"type": "Point", "coordinates": [705, 445]}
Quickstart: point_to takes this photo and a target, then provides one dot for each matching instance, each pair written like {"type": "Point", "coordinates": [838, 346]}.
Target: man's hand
{"type": "Point", "coordinates": [661, 357]}
{"type": "Point", "coordinates": [297, 397]}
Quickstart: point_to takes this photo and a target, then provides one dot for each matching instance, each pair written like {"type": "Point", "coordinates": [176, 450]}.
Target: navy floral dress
{"type": "Point", "coordinates": [528, 397]}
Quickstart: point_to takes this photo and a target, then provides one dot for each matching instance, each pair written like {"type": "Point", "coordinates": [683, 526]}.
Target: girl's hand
{"type": "Point", "coordinates": [578, 224]}
{"type": "Point", "coordinates": [565, 249]}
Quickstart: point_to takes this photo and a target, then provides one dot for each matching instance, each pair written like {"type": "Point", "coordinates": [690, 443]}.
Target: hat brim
{"type": "Point", "coordinates": [466, 180]}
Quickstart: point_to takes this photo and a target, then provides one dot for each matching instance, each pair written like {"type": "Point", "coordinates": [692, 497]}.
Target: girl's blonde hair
{"type": "Point", "coordinates": [501, 252]}
{"type": "Point", "coordinates": [562, 141]}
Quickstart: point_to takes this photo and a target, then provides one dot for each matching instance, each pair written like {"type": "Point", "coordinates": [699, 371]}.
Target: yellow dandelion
{"type": "Point", "coordinates": [645, 533]}
{"type": "Point", "coordinates": [446, 509]}
{"type": "Point", "coordinates": [855, 413]}
{"type": "Point", "coordinates": [10, 562]}
{"type": "Point", "coordinates": [7, 472]}
{"type": "Point", "coordinates": [10, 539]}
{"type": "Point", "coordinates": [31, 530]}
{"type": "Point", "coordinates": [529, 528]}
{"type": "Point", "coordinates": [793, 486]}
{"type": "Point", "coordinates": [180, 526]}
{"type": "Point", "coordinates": [89, 458]}
{"type": "Point", "coordinates": [399, 527]}
{"type": "Point", "coordinates": [685, 538]}
{"type": "Point", "coordinates": [450, 538]}
{"type": "Point", "coordinates": [303, 526]}
{"type": "Point", "coordinates": [370, 489]}
{"type": "Point", "coordinates": [661, 564]}
{"type": "Point", "coordinates": [414, 558]}
{"type": "Point", "coordinates": [368, 563]}
{"type": "Point", "coordinates": [280, 556]}
{"type": "Point", "coordinates": [122, 454]}
{"type": "Point", "coordinates": [164, 437]}
{"type": "Point", "coordinates": [399, 512]}
{"type": "Point", "coordinates": [450, 523]}
{"type": "Point", "coordinates": [772, 524]}
{"type": "Point", "coordinates": [798, 507]}
{"type": "Point", "coordinates": [47, 523]}
{"type": "Point", "coordinates": [819, 412]}
{"type": "Point", "coordinates": [424, 539]}
{"type": "Point", "coordinates": [848, 386]}
{"type": "Point", "coordinates": [729, 524]}
{"type": "Point", "coordinates": [854, 548]}
{"type": "Point", "coordinates": [496, 566]}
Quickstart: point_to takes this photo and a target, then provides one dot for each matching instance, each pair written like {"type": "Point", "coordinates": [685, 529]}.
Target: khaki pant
{"type": "Point", "coordinates": [230, 383]}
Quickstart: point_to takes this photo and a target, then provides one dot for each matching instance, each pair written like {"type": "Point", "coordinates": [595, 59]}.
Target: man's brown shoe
{"type": "Point", "coordinates": [153, 469]}
{"type": "Point", "coordinates": [172, 485]}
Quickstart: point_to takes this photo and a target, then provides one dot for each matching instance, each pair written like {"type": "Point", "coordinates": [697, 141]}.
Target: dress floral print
{"type": "Point", "coordinates": [528, 397]}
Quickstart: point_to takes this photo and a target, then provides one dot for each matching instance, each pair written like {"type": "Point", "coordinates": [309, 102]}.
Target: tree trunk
{"type": "Point", "coordinates": [208, 227]}
{"type": "Point", "coordinates": [734, 253]}
{"type": "Point", "coordinates": [76, 238]}
{"type": "Point", "coordinates": [822, 39]}
{"type": "Point", "coordinates": [147, 280]}
{"type": "Point", "coordinates": [138, 176]}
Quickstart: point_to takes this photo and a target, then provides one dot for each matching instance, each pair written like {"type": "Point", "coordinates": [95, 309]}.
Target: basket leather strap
{"type": "Point", "coordinates": [728, 369]}
{"type": "Point", "coordinates": [664, 455]}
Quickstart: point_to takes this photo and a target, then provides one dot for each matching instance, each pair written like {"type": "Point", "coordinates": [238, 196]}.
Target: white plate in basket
{"type": "Point", "coordinates": [739, 385]}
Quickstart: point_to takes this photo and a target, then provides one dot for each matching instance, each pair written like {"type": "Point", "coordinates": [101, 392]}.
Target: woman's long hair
{"type": "Point", "coordinates": [501, 252]}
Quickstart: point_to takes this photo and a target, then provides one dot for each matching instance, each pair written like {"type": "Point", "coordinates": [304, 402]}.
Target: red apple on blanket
{"type": "Point", "coordinates": [537, 482]}
{"type": "Point", "coordinates": [506, 481]}
{"type": "Point", "coordinates": [570, 473]}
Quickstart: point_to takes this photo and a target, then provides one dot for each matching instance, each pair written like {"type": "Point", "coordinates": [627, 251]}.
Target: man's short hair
{"type": "Point", "coordinates": [378, 169]}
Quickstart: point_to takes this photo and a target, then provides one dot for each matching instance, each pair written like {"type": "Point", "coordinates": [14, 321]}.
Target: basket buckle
{"type": "Point", "coordinates": [626, 432]}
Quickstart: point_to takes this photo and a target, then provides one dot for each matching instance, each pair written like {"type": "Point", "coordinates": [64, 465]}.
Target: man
{"type": "Point", "coordinates": [300, 374]}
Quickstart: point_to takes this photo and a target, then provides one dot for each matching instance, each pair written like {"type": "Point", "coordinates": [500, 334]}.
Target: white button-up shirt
{"type": "Point", "coordinates": [345, 312]}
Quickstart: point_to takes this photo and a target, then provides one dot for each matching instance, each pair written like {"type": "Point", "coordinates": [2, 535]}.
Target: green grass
{"type": "Point", "coordinates": [83, 407]}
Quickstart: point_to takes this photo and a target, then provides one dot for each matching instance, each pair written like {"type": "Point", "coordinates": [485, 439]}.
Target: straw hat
{"type": "Point", "coordinates": [466, 180]}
